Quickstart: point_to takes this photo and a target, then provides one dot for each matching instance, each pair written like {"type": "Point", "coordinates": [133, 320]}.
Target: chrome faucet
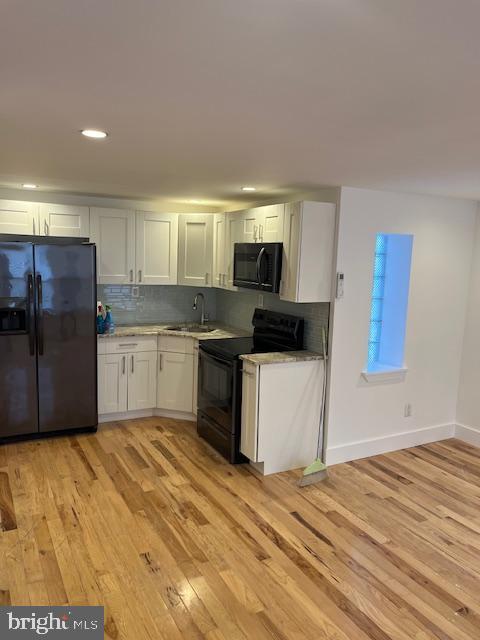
{"type": "Point", "coordinates": [204, 316]}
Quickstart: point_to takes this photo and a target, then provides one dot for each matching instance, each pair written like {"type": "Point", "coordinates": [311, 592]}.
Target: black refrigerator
{"type": "Point", "coordinates": [48, 342]}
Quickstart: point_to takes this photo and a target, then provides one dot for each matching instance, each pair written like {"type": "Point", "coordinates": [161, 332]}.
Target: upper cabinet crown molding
{"type": "Point", "coordinates": [113, 231]}
{"type": "Point", "coordinates": [195, 249]}
{"type": "Point", "coordinates": [64, 220]}
{"type": "Point", "coordinates": [19, 218]}
{"type": "Point", "coordinates": [156, 247]}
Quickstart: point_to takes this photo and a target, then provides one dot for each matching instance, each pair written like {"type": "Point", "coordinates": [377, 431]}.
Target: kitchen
{"type": "Point", "coordinates": [153, 368]}
{"type": "Point", "coordinates": [239, 310]}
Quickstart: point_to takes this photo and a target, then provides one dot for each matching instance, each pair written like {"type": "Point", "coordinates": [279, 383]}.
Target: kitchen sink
{"type": "Point", "coordinates": [192, 328]}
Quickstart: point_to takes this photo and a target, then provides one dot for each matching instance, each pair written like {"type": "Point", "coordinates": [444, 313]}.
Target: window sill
{"type": "Point", "coordinates": [384, 375]}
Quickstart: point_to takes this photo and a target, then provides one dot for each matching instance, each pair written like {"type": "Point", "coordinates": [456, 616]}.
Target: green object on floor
{"type": "Point", "coordinates": [315, 472]}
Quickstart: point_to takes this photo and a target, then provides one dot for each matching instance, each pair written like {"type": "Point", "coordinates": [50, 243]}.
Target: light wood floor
{"type": "Point", "coordinates": [146, 520]}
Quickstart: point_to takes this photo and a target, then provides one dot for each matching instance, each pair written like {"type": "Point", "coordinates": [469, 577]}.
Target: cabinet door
{"type": "Point", "coordinates": [18, 217]}
{"type": "Point", "coordinates": [249, 435]}
{"type": "Point", "coordinates": [235, 226]}
{"type": "Point", "coordinates": [175, 381]}
{"type": "Point", "coordinates": [195, 377]}
{"type": "Point", "coordinates": [112, 383]}
{"type": "Point", "coordinates": [291, 251]}
{"type": "Point", "coordinates": [142, 380]}
{"type": "Point", "coordinates": [113, 231]}
{"type": "Point", "coordinates": [250, 225]}
{"type": "Point", "coordinates": [156, 248]}
{"type": "Point", "coordinates": [63, 220]}
{"type": "Point", "coordinates": [270, 223]}
{"type": "Point", "coordinates": [309, 238]}
{"type": "Point", "coordinates": [219, 239]}
{"type": "Point", "coordinates": [195, 249]}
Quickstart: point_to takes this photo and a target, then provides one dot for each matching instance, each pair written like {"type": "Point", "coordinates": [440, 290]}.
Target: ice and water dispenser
{"type": "Point", "coordinates": [13, 315]}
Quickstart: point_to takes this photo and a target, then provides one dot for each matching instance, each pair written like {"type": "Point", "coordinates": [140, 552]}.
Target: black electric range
{"type": "Point", "coordinates": [220, 377]}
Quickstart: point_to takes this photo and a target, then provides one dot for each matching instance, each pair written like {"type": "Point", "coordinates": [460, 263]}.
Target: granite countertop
{"type": "Point", "coordinates": [220, 331]}
{"type": "Point", "coordinates": [278, 357]}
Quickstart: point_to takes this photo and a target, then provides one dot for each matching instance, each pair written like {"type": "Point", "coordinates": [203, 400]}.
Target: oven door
{"type": "Point", "coordinates": [216, 381]}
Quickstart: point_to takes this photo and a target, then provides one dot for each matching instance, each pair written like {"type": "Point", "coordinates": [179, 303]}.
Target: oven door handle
{"type": "Point", "coordinates": [259, 264]}
{"type": "Point", "coordinates": [209, 356]}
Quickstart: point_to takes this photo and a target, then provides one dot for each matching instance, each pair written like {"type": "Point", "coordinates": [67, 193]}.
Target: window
{"type": "Point", "coordinates": [388, 312]}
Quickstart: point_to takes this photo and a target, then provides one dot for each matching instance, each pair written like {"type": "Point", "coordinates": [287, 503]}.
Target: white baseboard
{"type": "Point", "coordinates": [145, 413]}
{"type": "Point", "coordinates": [468, 434]}
{"type": "Point", "coordinates": [376, 446]}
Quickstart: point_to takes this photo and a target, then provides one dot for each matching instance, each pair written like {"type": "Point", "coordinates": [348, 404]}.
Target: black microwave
{"type": "Point", "coordinates": [258, 265]}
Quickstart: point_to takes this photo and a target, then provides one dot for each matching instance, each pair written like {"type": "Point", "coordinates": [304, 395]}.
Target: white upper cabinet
{"type": "Point", "coordinates": [195, 249]}
{"type": "Point", "coordinates": [64, 220]}
{"type": "Point", "coordinates": [270, 222]}
{"type": "Point", "coordinates": [19, 217]}
{"type": "Point", "coordinates": [156, 248]}
{"type": "Point", "coordinates": [250, 225]}
{"type": "Point", "coordinates": [113, 231]}
{"type": "Point", "coordinates": [308, 244]}
{"type": "Point", "coordinates": [219, 242]}
{"type": "Point", "coordinates": [234, 233]}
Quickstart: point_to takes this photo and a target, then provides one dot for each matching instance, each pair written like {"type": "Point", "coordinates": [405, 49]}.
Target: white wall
{"type": "Point", "coordinates": [468, 409]}
{"type": "Point", "coordinates": [363, 418]}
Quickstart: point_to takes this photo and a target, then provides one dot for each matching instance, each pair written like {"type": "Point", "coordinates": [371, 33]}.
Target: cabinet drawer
{"type": "Point", "coordinates": [131, 344]}
{"type": "Point", "coordinates": [177, 344]}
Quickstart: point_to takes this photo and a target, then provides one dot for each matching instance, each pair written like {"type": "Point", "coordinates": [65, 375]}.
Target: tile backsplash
{"type": "Point", "coordinates": [165, 304]}
{"type": "Point", "coordinates": [155, 304]}
{"type": "Point", "coordinates": [235, 308]}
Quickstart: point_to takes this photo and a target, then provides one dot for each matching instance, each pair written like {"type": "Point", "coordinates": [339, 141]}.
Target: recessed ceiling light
{"type": "Point", "coordinates": [249, 188]}
{"type": "Point", "coordinates": [29, 185]}
{"type": "Point", "coordinates": [94, 133]}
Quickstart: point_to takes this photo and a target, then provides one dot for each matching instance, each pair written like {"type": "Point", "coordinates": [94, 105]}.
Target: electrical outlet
{"type": "Point", "coordinates": [408, 410]}
{"type": "Point", "coordinates": [260, 300]}
{"type": "Point", "coordinates": [135, 292]}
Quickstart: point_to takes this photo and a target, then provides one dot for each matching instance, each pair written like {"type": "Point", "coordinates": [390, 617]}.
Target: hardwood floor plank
{"type": "Point", "coordinates": [147, 520]}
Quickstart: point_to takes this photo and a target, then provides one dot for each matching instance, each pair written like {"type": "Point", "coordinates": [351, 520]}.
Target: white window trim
{"type": "Point", "coordinates": [385, 375]}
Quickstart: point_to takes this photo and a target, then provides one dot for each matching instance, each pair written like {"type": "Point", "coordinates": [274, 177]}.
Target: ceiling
{"type": "Point", "coordinates": [201, 97]}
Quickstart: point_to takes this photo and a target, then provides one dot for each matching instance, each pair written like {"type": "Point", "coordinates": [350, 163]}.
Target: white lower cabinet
{"type": "Point", "coordinates": [281, 414]}
{"type": "Point", "coordinates": [249, 434]}
{"type": "Point", "coordinates": [112, 383]}
{"type": "Point", "coordinates": [175, 381]}
{"type": "Point", "coordinates": [195, 377]}
{"type": "Point", "coordinates": [142, 388]}
{"type": "Point", "coordinates": [127, 378]}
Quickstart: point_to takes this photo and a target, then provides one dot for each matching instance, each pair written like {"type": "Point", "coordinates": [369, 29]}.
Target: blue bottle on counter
{"type": "Point", "coordinates": [100, 321]}
{"type": "Point", "coordinates": [109, 324]}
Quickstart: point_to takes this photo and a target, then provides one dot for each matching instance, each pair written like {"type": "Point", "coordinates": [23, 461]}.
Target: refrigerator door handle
{"type": "Point", "coordinates": [40, 314]}
{"type": "Point", "coordinates": [31, 316]}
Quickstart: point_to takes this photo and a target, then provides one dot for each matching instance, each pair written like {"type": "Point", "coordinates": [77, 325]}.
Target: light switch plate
{"type": "Point", "coordinates": [135, 292]}
{"type": "Point", "coordinates": [340, 282]}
